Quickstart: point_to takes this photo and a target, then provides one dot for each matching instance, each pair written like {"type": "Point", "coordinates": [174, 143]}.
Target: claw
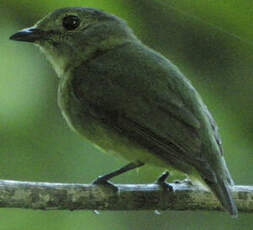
{"type": "Point", "coordinates": [161, 181]}
{"type": "Point", "coordinates": [101, 181]}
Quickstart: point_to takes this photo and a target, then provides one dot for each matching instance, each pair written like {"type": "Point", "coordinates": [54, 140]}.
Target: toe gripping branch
{"type": "Point", "coordinates": [161, 181]}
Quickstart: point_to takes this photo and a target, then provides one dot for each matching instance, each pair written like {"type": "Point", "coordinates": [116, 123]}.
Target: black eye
{"type": "Point", "coordinates": [70, 22]}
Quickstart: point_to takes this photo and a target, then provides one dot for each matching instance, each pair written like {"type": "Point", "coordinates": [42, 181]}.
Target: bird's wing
{"type": "Point", "coordinates": [214, 128]}
{"type": "Point", "coordinates": [148, 102]}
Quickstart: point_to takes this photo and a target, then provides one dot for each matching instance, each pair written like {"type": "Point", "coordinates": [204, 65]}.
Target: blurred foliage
{"type": "Point", "coordinates": [211, 42]}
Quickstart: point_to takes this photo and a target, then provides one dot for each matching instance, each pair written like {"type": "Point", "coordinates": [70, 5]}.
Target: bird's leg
{"type": "Point", "coordinates": [161, 181]}
{"type": "Point", "coordinates": [104, 180]}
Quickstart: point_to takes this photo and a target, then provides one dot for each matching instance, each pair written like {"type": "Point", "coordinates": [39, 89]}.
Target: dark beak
{"type": "Point", "coordinates": [28, 35]}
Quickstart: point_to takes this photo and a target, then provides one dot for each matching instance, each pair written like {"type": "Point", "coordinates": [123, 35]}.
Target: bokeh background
{"type": "Point", "coordinates": [210, 41]}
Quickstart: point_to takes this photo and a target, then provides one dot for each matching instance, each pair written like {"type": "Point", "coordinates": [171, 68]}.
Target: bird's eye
{"type": "Point", "coordinates": [70, 22]}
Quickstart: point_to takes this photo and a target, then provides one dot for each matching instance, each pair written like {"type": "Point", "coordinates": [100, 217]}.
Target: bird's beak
{"type": "Point", "coordinates": [28, 35]}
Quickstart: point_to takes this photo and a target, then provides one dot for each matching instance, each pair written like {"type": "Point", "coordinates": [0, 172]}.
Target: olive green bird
{"type": "Point", "coordinates": [125, 98]}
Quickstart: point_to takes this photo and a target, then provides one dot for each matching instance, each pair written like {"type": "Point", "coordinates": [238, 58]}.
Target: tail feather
{"type": "Point", "coordinates": [220, 182]}
{"type": "Point", "coordinates": [222, 190]}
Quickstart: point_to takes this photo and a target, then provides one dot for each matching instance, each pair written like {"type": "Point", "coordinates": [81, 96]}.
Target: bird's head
{"type": "Point", "coordinates": [69, 36]}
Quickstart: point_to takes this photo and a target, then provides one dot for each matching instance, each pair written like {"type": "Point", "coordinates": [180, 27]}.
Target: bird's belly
{"type": "Point", "coordinates": [109, 141]}
{"type": "Point", "coordinates": [112, 142]}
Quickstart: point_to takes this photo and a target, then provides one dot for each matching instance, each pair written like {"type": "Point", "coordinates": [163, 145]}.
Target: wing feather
{"type": "Point", "coordinates": [150, 102]}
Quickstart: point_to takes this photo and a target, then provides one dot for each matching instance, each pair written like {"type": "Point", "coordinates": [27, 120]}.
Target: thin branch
{"type": "Point", "coordinates": [56, 196]}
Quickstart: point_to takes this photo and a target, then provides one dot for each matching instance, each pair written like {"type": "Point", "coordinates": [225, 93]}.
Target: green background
{"type": "Point", "coordinates": [210, 41]}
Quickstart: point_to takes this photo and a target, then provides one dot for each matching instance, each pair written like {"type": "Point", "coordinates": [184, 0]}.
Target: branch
{"type": "Point", "coordinates": [56, 196]}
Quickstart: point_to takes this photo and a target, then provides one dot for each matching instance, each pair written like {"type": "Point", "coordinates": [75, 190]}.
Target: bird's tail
{"type": "Point", "coordinates": [221, 187]}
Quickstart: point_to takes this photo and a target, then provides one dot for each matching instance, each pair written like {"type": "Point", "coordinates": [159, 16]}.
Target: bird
{"type": "Point", "coordinates": [127, 99]}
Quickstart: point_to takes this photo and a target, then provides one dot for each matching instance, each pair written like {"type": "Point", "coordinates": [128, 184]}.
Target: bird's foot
{"type": "Point", "coordinates": [102, 181]}
{"type": "Point", "coordinates": [161, 181]}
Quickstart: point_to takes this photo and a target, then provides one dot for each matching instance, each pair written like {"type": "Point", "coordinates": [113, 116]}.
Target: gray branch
{"type": "Point", "coordinates": [56, 196]}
